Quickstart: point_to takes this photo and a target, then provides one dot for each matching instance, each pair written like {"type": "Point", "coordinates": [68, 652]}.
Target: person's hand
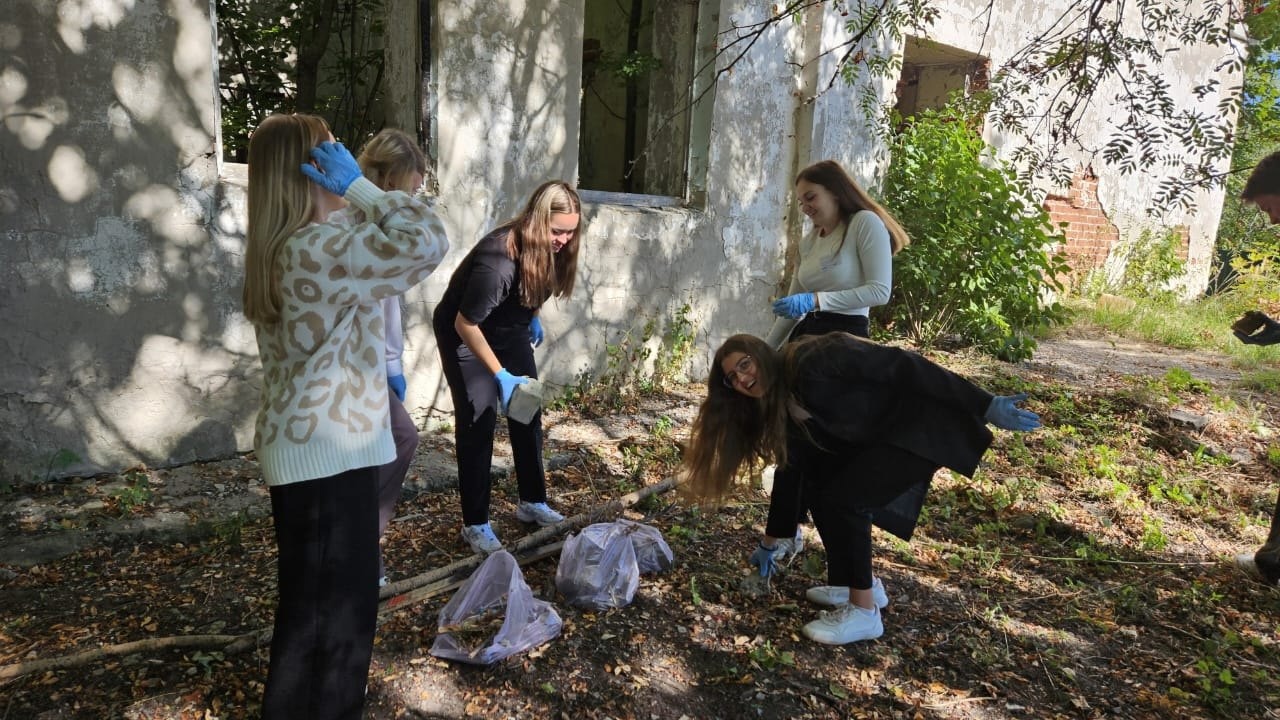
{"type": "Point", "coordinates": [397, 385]}
{"type": "Point", "coordinates": [507, 385]}
{"type": "Point", "coordinates": [763, 558]}
{"type": "Point", "coordinates": [793, 306]}
{"type": "Point", "coordinates": [1005, 413]}
{"type": "Point", "coordinates": [536, 336]}
{"type": "Point", "coordinates": [338, 169]}
{"type": "Point", "coordinates": [1268, 335]}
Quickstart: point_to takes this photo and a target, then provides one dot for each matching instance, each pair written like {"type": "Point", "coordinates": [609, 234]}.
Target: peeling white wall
{"type": "Point", "coordinates": [997, 31]}
{"type": "Point", "coordinates": [121, 239]}
{"type": "Point", "coordinates": [120, 336]}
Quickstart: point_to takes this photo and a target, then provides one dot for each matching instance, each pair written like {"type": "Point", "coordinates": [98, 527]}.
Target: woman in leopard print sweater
{"type": "Point", "coordinates": [313, 292]}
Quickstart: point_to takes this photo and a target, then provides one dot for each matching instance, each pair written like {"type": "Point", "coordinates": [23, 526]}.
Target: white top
{"type": "Point", "coordinates": [849, 280]}
{"type": "Point", "coordinates": [324, 382]}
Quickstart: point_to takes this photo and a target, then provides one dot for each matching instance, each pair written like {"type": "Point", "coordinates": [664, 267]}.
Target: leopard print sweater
{"type": "Point", "coordinates": [324, 387]}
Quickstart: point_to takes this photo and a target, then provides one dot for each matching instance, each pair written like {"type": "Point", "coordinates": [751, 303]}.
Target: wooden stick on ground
{"type": "Point", "coordinates": [397, 595]}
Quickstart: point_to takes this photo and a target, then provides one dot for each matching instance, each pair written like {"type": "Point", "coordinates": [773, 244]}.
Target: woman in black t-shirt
{"type": "Point", "coordinates": [486, 327]}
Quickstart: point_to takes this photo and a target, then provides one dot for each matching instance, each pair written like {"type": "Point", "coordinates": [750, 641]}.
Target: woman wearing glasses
{"type": "Point", "coordinates": [486, 327]}
{"type": "Point", "coordinates": [863, 427]}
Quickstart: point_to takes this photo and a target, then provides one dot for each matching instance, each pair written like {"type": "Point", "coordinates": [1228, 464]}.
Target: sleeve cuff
{"type": "Point", "coordinates": [363, 194]}
{"type": "Point", "coordinates": [394, 367]}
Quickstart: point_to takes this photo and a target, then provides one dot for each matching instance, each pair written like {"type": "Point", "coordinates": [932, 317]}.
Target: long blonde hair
{"type": "Point", "coordinates": [732, 431]}
{"type": "Point", "coordinates": [390, 158]}
{"type": "Point", "coordinates": [280, 203]}
{"type": "Point", "coordinates": [543, 271]}
{"type": "Point", "coordinates": [850, 198]}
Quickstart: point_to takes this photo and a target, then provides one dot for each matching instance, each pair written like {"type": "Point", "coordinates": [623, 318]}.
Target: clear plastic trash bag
{"type": "Point", "coordinates": [494, 615]}
{"type": "Point", "coordinates": [600, 567]}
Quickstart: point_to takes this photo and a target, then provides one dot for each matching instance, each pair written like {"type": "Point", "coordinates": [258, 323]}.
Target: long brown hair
{"type": "Point", "coordinates": [280, 203]}
{"type": "Point", "coordinates": [543, 271]}
{"type": "Point", "coordinates": [850, 198]}
{"type": "Point", "coordinates": [733, 431]}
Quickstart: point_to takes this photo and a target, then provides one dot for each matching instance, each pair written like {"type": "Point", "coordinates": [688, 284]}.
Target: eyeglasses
{"type": "Point", "coordinates": [745, 365]}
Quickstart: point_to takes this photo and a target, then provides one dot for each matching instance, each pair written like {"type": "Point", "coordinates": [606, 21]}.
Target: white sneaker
{"type": "Point", "coordinates": [481, 538]}
{"type": "Point", "coordinates": [845, 624]}
{"type": "Point", "coordinates": [537, 513]}
{"type": "Point", "coordinates": [835, 596]}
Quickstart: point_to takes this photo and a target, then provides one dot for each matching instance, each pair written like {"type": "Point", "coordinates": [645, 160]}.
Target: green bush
{"type": "Point", "coordinates": [979, 266]}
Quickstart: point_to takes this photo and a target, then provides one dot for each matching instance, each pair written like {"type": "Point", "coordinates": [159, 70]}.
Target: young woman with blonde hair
{"type": "Point", "coordinates": [313, 291]}
{"type": "Point", "coordinates": [486, 327]}
{"type": "Point", "coordinates": [392, 161]}
{"type": "Point", "coordinates": [863, 427]}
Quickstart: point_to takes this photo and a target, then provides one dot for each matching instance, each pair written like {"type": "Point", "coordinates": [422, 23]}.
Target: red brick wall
{"type": "Point", "coordinates": [1090, 233]}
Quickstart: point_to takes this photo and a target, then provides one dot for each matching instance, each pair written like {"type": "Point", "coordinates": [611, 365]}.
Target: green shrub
{"type": "Point", "coordinates": [979, 265]}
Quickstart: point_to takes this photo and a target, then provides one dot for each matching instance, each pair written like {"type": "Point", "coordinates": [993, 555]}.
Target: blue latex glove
{"type": "Point", "coordinates": [1268, 335]}
{"type": "Point", "coordinates": [507, 385]}
{"type": "Point", "coordinates": [1004, 413]}
{"type": "Point", "coordinates": [338, 169]}
{"type": "Point", "coordinates": [793, 306]}
{"type": "Point", "coordinates": [763, 558]}
{"type": "Point", "coordinates": [536, 336]}
{"type": "Point", "coordinates": [397, 385]}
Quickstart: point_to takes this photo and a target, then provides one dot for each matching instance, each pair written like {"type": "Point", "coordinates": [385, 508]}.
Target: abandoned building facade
{"type": "Point", "coordinates": [122, 225]}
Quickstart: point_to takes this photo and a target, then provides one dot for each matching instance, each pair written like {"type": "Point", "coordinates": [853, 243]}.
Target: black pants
{"type": "Point", "coordinates": [845, 492]}
{"type": "Point", "coordinates": [475, 410]}
{"type": "Point", "coordinates": [327, 537]}
{"type": "Point", "coordinates": [815, 323]}
{"type": "Point", "coordinates": [821, 323]}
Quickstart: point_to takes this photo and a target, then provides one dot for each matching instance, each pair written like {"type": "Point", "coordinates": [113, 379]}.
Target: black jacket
{"type": "Point", "coordinates": [862, 395]}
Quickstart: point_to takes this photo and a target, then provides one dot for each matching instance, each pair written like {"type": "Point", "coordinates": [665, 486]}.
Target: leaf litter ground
{"type": "Point", "coordinates": [1082, 574]}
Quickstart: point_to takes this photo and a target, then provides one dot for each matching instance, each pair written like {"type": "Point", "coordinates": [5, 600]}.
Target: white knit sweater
{"type": "Point", "coordinates": [324, 396]}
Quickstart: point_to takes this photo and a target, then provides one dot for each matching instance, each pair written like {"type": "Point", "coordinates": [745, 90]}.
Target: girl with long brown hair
{"type": "Point", "coordinates": [486, 328]}
{"type": "Point", "coordinates": [863, 427]}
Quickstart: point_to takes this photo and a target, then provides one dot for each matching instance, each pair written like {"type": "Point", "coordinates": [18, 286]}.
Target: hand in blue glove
{"type": "Point", "coordinates": [338, 169]}
{"type": "Point", "coordinates": [793, 306]}
{"type": "Point", "coordinates": [397, 385]}
{"type": "Point", "coordinates": [1268, 335]}
{"type": "Point", "coordinates": [507, 385]}
{"type": "Point", "coordinates": [763, 558]}
{"type": "Point", "coordinates": [1004, 413]}
{"type": "Point", "coordinates": [536, 336]}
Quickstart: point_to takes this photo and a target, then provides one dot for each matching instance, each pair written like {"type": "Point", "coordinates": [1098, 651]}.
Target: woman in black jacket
{"type": "Point", "coordinates": [865, 427]}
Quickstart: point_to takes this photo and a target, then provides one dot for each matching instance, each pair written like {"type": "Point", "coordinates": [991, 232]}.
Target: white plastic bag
{"type": "Point", "coordinates": [653, 554]}
{"type": "Point", "coordinates": [600, 567]}
{"type": "Point", "coordinates": [494, 615]}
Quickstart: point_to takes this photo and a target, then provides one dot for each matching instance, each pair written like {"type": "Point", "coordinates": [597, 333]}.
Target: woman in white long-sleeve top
{"type": "Point", "coordinates": [846, 258]}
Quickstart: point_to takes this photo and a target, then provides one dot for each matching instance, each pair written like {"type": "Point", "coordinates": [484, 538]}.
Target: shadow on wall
{"type": "Point", "coordinates": [121, 262]}
{"type": "Point", "coordinates": [510, 120]}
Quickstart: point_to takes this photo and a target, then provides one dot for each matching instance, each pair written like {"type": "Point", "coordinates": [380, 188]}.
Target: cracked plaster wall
{"type": "Point", "coordinates": [121, 237]}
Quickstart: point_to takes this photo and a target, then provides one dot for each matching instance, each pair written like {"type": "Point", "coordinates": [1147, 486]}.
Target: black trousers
{"type": "Point", "coordinates": [327, 537]}
{"type": "Point", "coordinates": [475, 410]}
{"type": "Point", "coordinates": [821, 323]}
{"type": "Point", "coordinates": [846, 492]}
{"type": "Point", "coordinates": [815, 323]}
